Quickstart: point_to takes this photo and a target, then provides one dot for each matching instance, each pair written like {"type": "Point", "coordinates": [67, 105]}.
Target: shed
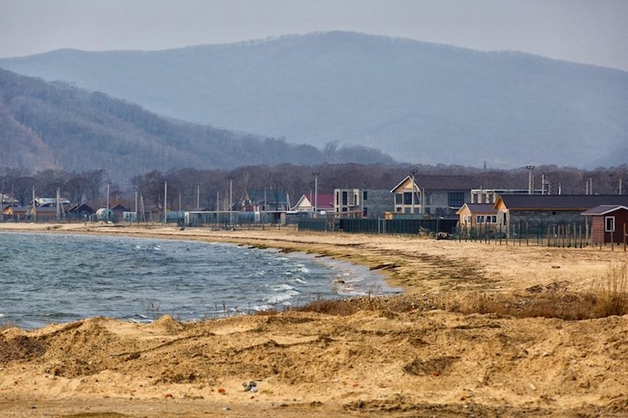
{"type": "Point", "coordinates": [608, 223]}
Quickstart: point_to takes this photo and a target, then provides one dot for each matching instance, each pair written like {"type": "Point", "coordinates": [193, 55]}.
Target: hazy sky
{"type": "Point", "coordinates": [592, 31]}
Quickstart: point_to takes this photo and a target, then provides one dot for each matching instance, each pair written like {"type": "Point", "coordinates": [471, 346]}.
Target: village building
{"type": "Point", "coordinates": [538, 212]}
{"type": "Point", "coordinates": [361, 203]}
{"type": "Point", "coordinates": [264, 200]}
{"type": "Point", "coordinates": [609, 223]}
{"type": "Point", "coordinates": [118, 212]}
{"type": "Point", "coordinates": [80, 212]}
{"type": "Point", "coordinates": [305, 204]}
{"type": "Point", "coordinates": [491, 195]}
{"type": "Point", "coordinates": [434, 196]}
{"type": "Point", "coordinates": [16, 213]}
{"type": "Point", "coordinates": [477, 215]}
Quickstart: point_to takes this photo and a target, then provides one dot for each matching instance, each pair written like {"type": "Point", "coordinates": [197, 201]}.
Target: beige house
{"type": "Point", "coordinates": [438, 196]}
{"type": "Point", "coordinates": [478, 215]}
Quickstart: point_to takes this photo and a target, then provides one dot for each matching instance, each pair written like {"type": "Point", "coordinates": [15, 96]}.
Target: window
{"type": "Point", "coordinates": [609, 224]}
{"type": "Point", "coordinates": [344, 209]}
{"type": "Point", "coordinates": [494, 219]}
{"type": "Point", "coordinates": [428, 199]}
{"type": "Point", "coordinates": [398, 198]}
{"type": "Point", "coordinates": [365, 212]}
{"type": "Point", "coordinates": [479, 219]}
{"type": "Point", "coordinates": [407, 198]}
{"type": "Point", "coordinates": [365, 195]}
{"type": "Point", "coordinates": [406, 210]}
{"type": "Point", "coordinates": [455, 199]}
{"type": "Point", "coordinates": [344, 198]}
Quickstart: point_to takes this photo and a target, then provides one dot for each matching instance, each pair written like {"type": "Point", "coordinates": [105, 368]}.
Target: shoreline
{"type": "Point", "coordinates": [399, 356]}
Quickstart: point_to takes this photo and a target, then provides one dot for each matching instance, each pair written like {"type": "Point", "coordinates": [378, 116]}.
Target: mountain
{"type": "Point", "coordinates": [419, 102]}
{"type": "Point", "coordinates": [54, 125]}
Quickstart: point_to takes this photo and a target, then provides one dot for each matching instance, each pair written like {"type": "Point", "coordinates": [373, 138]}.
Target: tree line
{"type": "Point", "coordinates": [212, 186]}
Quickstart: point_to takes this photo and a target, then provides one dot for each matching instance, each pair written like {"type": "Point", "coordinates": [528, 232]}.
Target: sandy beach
{"type": "Point", "coordinates": [439, 349]}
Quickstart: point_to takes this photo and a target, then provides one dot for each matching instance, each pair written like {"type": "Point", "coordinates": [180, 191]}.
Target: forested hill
{"type": "Point", "coordinates": [54, 125]}
{"type": "Point", "coordinates": [419, 102]}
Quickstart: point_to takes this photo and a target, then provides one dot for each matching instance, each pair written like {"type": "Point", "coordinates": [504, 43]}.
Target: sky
{"type": "Point", "coordinates": [586, 31]}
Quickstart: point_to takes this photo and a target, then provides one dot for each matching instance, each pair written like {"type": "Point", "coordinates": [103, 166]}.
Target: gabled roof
{"type": "Point", "coordinates": [81, 208]}
{"type": "Point", "coordinates": [120, 207]}
{"type": "Point", "coordinates": [478, 208]}
{"type": "Point", "coordinates": [604, 209]}
{"type": "Point", "coordinates": [440, 183]}
{"type": "Point", "coordinates": [559, 202]}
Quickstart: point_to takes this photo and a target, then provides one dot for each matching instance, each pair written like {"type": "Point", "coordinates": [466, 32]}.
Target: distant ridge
{"type": "Point", "coordinates": [417, 101]}
{"type": "Point", "coordinates": [54, 125]}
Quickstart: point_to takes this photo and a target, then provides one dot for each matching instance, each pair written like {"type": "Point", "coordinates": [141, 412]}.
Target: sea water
{"type": "Point", "coordinates": [48, 278]}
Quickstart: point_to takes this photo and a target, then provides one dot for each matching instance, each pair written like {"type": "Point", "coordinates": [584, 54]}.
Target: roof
{"type": "Point", "coordinates": [120, 207]}
{"type": "Point", "coordinates": [81, 208]}
{"type": "Point", "coordinates": [559, 202]}
{"type": "Point", "coordinates": [479, 208]}
{"type": "Point", "coordinates": [604, 209]}
{"type": "Point", "coordinates": [441, 182]}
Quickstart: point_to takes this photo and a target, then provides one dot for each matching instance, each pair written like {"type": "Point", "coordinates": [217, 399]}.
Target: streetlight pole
{"type": "Point", "coordinates": [315, 174]}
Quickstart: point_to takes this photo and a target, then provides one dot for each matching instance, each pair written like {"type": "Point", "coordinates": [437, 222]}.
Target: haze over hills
{"type": "Point", "coordinates": [54, 125]}
{"type": "Point", "coordinates": [418, 102]}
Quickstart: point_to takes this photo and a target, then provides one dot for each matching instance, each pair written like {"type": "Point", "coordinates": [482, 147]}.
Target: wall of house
{"type": "Point", "coordinates": [621, 218]}
{"type": "Point", "coordinates": [377, 202]}
{"type": "Point", "coordinates": [597, 229]}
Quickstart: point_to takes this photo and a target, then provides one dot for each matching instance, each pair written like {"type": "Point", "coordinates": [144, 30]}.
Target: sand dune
{"type": "Point", "coordinates": [404, 355]}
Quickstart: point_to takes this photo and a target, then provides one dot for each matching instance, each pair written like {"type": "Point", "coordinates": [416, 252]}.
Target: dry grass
{"type": "Point", "coordinates": [549, 301]}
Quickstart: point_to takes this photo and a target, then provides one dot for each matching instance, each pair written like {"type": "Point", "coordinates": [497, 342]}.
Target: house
{"type": "Point", "coordinates": [81, 212]}
{"type": "Point", "coordinates": [46, 213]}
{"type": "Point", "coordinates": [490, 195]}
{"type": "Point", "coordinates": [541, 211]}
{"type": "Point", "coordinates": [306, 203]}
{"type": "Point", "coordinates": [264, 200]}
{"type": "Point", "coordinates": [609, 223]}
{"type": "Point", "coordinates": [439, 196]}
{"type": "Point", "coordinates": [361, 203]}
{"type": "Point", "coordinates": [16, 213]}
{"type": "Point", "coordinates": [478, 215]}
{"type": "Point", "coordinates": [118, 212]}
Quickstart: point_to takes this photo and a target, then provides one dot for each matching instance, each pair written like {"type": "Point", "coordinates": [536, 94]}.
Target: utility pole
{"type": "Point", "coordinates": [107, 212]}
{"type": "Point", "coordinates": [165, 202]}
{"type": "Point", "coordinates": [530, 179]}
{"type": "Point", "coordinates": [198, 197]}
{"type": "Point", "coordinates": [412, 173]}
{"type": "Point", "coordinates": [590, 186]}
{"type": "Point", "coordinates": [137, 219]}
{"type": "Point", "coordinates": [316, 174]}
{"type": "Point", "coordinates": [543, 183]}
{"type": "Point", "coordinates": [560, 189]}
{"type": "Point", "coordinates": [620, 187]}
{"type": "Point", "coordinates": [58, 204]}
{"type": "Point", "coordinates": [230, 201]}
{"type": "Point", "coordinates": [34, 207]}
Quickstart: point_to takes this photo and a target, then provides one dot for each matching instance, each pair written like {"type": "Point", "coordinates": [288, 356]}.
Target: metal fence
{"type": "Point", "coordinates": [379, 226]}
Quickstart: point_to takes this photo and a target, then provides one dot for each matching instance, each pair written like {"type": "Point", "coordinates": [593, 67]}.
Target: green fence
{"type": "Point", "coordinates": [379, 226]}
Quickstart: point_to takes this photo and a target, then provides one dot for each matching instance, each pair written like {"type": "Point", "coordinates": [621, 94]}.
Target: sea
{"type": "Point", "coordinates": [53, 278]}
